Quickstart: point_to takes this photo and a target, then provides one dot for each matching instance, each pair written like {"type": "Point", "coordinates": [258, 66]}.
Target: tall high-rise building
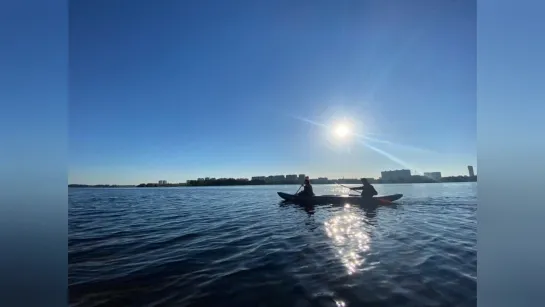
{"type": "Point", "coordinates": [471, 172]}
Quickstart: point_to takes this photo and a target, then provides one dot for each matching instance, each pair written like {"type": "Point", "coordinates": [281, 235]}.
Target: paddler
{"type": "Point", "coordinates": [367, 190]}
{"type": "Point", "coordinates": [307, 188]}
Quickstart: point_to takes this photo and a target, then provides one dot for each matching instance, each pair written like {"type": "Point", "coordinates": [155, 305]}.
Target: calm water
{"type": "Point", "coordinates": [238, 246]}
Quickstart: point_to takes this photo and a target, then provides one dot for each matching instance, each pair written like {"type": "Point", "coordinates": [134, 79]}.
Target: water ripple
{"type": "Point", "coordinates": [237, 246]}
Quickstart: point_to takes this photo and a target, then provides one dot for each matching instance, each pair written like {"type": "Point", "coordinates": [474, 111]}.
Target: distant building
{"type": "Point", "coordinates": [396, 175]}
{"type": "Point", "coordinates": [320, 180]}
{"type": "Point", "coordinates": [259, 178]}
{"type": "Point", "coordinates": [279, 178]}
{"type": "Point", "coordinates": [291, 177]}
{"type": "Point", "coordinates": [433, 175]}
{"type": "Point", "coordinates": [471, 172]}
{"type": "Point", "coordinates": [162, 182]}
{"type": "Point", "coordinates": [301, 177]}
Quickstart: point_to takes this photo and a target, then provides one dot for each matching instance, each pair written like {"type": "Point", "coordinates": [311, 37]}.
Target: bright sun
{"type": "Point", "coordinates": [342, 130]}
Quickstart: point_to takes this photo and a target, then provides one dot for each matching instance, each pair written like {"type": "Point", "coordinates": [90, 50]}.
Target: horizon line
{"type": "Point", "coordinates": [249, 179]}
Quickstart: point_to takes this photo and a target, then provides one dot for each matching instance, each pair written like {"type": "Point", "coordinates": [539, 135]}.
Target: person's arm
{"type": "Point", "coordinates": [374, 191]}
{"type": "Point", "coordinates": [357, 188]}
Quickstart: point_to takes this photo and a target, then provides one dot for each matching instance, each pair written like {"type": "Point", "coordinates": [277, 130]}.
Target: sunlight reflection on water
{"type": "Point", "coordinates": [340, 303]}
{"type": "Point", "coordinates": [347, 233]}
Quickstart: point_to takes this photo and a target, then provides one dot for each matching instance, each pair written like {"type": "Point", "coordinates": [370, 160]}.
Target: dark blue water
{"type": "Point", "coordinates": [237, 246]}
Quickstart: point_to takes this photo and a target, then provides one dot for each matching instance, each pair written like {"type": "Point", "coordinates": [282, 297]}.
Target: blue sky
{"type": "Point", "coordinates": [176, 90]}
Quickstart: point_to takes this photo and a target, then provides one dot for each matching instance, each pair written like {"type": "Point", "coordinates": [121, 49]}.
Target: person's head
{"type": "Point", "coordinates": [364, 181]}
{"type": "Point", "coordinates": [307, 180]}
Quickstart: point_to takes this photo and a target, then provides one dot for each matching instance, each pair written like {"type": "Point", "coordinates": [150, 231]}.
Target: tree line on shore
{"type": "Point", "coordinates": [234, 182]}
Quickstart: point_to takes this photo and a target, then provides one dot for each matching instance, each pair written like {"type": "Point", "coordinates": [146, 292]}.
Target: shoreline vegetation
{"type": "Point", "coordinates": [246, 182]}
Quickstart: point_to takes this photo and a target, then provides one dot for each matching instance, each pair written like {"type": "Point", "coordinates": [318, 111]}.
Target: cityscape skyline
{"type": "Point", "coordinates": [385, 175]}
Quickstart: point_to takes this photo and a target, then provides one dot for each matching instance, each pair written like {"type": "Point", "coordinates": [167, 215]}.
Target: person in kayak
{"type": "Point", "coordinates": [307, 190]}
{"type": "Point", "coordinates": [367, 190]}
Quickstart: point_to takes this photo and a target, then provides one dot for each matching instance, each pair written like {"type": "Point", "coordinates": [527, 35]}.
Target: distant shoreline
{"type": "Point", "coordinates": [456, 179]}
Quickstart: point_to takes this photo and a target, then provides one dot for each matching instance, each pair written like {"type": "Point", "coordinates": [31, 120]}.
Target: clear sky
{"type": "Point", "coordinates": [177, 90]}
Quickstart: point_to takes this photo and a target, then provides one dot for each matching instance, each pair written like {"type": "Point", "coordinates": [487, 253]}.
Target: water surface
{"type": "Point", "coordinates": [238, 246]}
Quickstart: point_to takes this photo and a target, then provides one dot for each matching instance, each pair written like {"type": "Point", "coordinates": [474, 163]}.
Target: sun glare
{"type": "Point", "coordinates": [342, 130]}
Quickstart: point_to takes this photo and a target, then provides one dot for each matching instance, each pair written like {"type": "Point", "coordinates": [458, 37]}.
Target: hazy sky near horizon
{"type": "Point", "coordinates": [177, 90]}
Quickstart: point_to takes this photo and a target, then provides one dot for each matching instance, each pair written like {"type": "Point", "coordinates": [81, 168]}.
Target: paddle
{"type": "Point", "coordinates": [354, 189]}
{"type": "Point", "coordinates": [298, 189]}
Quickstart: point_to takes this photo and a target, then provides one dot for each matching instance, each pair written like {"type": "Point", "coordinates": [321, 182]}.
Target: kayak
{"type": "Point", "coordinates": [339, 199]}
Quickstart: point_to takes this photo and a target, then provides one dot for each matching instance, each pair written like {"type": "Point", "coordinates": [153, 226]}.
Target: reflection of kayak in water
{"type": "Point", "coordinates": [340, 199]}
